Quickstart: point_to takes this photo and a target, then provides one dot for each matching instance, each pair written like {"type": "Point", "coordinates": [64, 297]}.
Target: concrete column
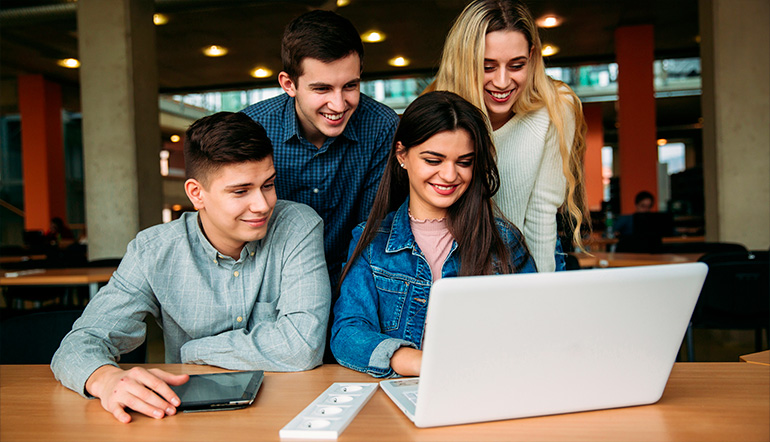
{"type": "Point", "coordinates": [735, 60]}
{"type": "Point", "coordinates": [121, 134]}
{"type": "Point", "coordinates": [42, 152]}
{"type": "Point", "coordinates": [593, 157]}
{"type": "Point", "coordinates": [638, 151]}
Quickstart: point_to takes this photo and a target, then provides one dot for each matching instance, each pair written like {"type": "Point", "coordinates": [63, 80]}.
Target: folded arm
{"type": "Point", "coordinates": [288, 334]}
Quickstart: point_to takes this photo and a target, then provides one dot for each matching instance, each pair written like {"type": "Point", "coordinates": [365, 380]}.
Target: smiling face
{"type": "Point", "coordinates": [440, 171]}
{"type": "Point", "coordinates": [326, 96]}
{"type": "Point", "coordinates": [236, 203]}
{"type": "Point", "coordinates": [506, 62]}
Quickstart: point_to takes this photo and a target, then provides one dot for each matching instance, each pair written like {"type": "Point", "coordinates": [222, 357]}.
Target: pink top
{"type": "Point", "coordinates": [435, 241]}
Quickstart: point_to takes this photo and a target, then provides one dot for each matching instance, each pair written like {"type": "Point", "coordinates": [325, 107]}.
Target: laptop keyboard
{"type": "Point", "coordinates": [412, 396]}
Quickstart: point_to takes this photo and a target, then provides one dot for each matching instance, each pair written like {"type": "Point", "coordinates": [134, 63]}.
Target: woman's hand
{"type": "Point", "coordinates": [406, 361]}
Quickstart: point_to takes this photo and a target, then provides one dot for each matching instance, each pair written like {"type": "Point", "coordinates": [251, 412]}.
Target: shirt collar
{"type": "Point", "coordinates": [209, 251]}
{"type": "Point", "coordinates": [291, 124]}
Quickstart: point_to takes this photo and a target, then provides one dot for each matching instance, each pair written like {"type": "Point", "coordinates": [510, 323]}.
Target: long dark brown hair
{"type": "Point", "coordinates": [471, 219]}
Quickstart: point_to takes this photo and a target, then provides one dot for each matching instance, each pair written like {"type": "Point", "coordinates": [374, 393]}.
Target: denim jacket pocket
{"type": "Point", "coordinates": [392, 294]}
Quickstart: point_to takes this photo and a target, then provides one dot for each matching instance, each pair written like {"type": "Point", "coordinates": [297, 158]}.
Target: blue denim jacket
{"type": "Point", "coordinates": [384, 297]}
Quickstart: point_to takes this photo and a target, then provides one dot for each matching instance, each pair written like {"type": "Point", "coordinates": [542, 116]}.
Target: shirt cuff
{"type": "Point", "coordinates": [379, 362]}
{"type": "Point", "coordinates": [86, 373]}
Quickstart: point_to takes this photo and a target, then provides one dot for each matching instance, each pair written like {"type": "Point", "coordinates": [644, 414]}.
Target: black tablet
{"type": "Point", "coordinates": [219, 391]}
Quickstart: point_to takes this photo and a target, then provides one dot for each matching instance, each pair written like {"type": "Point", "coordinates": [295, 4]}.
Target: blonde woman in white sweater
{"type": "Point", "coordinates": [492, 58]}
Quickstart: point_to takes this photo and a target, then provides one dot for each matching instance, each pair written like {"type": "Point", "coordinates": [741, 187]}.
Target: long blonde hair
{"type": "Point", "coordinates": [462, 71]}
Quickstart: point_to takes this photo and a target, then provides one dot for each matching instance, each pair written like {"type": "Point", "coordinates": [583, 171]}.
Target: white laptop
{"type": "Point", "coordinates": [511, 346]}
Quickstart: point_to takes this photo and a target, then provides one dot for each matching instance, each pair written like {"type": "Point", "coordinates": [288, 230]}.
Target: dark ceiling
{"type": "Point", "coordinates": [34, 34]}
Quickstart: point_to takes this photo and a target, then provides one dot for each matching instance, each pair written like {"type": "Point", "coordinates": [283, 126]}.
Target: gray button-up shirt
{"type": "Point", "coordinates": [266, 311]}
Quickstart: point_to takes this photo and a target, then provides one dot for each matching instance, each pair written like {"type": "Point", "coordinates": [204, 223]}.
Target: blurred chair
{"type": "Point", "coordinates": [703, 247]}
{"type": "Point", "coordinates": [572, 262]}
{"type": "Point", "coordinates": [648, 229]}
{"type": "Point", "coordinates": [33, 338]}
{"type": "Point", "coordinates": [17, 296]}
{"type": "Point", "coordinates": [105, 262]}
{"type": "Point", "coordinates": [735, 296]}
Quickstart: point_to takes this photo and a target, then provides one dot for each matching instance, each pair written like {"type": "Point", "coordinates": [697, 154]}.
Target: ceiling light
{"type": "Point", "coordinates": [373, 37]}
{"type": "Point", "coordinates": [159, 19]}
{"type": "Point", "coordinates": [549, 21]}
{"type": "Point", "coordinates": [175, 138]}
{"type": "Point", "coordinates": [549, 49]}
{"type": "Point", "coordinates": [261, 72]}
{"type": "Point", "coordinates": [176, 207]}
{"type": "Point", "coordinates": [71, 63]}
{"type": "Point", "coordinates": [662, 141]}
{"type": "Point", "coordinates": [399, 62]}
{"type": "Point", "coordinates": [215, 51]}
{"type": "Point", "coordinates": [341, 3]}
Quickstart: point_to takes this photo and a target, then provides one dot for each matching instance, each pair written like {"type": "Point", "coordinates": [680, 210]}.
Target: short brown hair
{"type": "Point", "coordinates": [321, 35]}
{"type": "Point", "coordinates": [221, 139]}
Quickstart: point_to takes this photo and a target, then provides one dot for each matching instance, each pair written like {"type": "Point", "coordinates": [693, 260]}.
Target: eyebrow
{"type": "Point", "coordinates": [430, 152]}
{"type": "Point", "coordinates": [322, 84]}
{"type": "Point", "coordinates": [519, 58]}
{"type": "Point", "coordinates": [236, 186]}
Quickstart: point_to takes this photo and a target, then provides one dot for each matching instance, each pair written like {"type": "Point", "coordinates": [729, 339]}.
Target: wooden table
{"type": "Point", "coordinates": [702, 401]}
{"type": "Point", "coordinates": [601, 244]}
{"type": "Point", "coordinates": [614, 259]}
{"type": "Point", "coordinates": [90, 276]}
{"type": "Point", "coordinates": [21, 258]}
{"type": "Point", "coordinates": [682, 239]}
{"type": "Point", "coordinates": [761, 358]}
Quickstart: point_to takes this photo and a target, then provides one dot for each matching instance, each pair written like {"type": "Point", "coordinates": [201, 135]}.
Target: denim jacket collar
{"type": "Point", "coordinates": [401, 236]}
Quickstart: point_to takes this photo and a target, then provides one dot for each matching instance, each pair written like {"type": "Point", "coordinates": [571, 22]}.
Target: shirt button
{"type": "Point", "coordinates": [316, 190]}
{"type": "Point", "coordinates": [239, 319]}
{"type": "Point", "coordinates": [235, 273]}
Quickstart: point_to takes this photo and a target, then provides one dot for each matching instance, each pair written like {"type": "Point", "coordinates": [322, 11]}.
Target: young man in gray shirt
{"type": "Point", "coordinates": [240, 284]}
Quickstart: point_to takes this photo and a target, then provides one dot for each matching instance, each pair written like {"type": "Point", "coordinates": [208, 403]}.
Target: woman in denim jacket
{"type": "Point", "coordinates": [433, 218]}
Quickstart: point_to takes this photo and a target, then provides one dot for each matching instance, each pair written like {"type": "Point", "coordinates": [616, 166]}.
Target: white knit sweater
{"type": "Point", "coordinates": [532, 183]}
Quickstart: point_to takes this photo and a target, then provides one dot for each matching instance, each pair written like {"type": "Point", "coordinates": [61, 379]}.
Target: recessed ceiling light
{"type": "Point", "coordinates": [341, 3]}
{"type": "Point", "coordinates": [261, 72]}
{"type": "Point", "coordinates": [215, 51]}
{"type": "Point", "coordinates": [549, 21]}
{"type": "Point", "coordinates": [549, 49]}
{"type": "Point", "coordinates": [71, 63]}
{"type": "Point", "coordinates": [175, 138]}
{"type": "Point", "coordinates": [399, 62]}
{"type": "Point", "coordinates": [159, 19]}
{"type": "Point", "coordinates": [662, 141]}
{"type": "Point", "coordinates": [373, 37]}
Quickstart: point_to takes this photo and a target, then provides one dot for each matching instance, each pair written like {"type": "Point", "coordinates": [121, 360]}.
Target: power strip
{"type": "Point", "coordinates": [331, 412]}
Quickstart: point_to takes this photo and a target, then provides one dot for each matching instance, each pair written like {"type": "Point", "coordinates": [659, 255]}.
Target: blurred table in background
{"type": "Point", "coordinates": [613, 259]}
{"type": "Point", "coordinates": [80, 276]}
{"type": "Point", "coordinates": [761, 358]}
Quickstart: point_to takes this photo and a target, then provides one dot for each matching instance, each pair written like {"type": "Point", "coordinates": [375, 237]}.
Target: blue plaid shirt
{"type": "Point", "coordinates": [340, 179]}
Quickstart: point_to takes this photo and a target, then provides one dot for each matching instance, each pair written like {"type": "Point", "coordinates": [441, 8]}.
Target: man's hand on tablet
{"type": "Point", "coordinates": [142, 390]}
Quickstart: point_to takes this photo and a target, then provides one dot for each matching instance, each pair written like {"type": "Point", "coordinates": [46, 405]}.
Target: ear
{"type": "Point", "coordinates": [287, 84]}
{"type": "Point", "coordinates": [400, 152]}
{"type": "Point", "coordinates": [194, 190]}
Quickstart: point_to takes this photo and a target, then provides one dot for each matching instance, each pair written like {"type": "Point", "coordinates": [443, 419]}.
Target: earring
{"type": "Point", "coordinates": [403, 166]}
